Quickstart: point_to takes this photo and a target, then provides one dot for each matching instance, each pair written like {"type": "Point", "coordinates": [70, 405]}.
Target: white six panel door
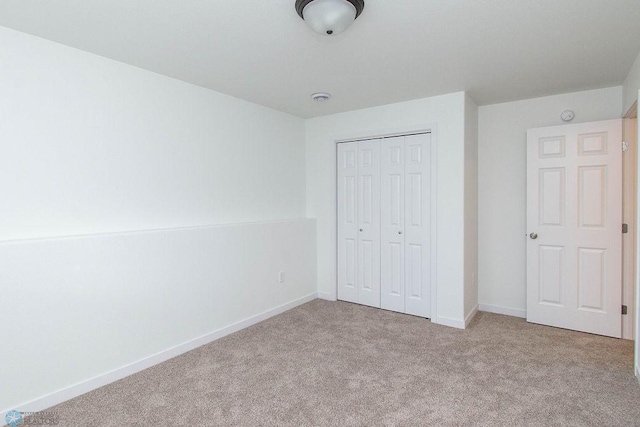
{"type": "Point", "coordinates": [574, 217]}
{"type": "Point", "coordinates": [406, 224]}
{"type": "Point", "coordinates": [347, 165]}
{"type": "Point", "coordinates": [392, 219]}
{"type": "Point", "coordinates": [368, 208]}
{"type": "Point", "coordinates": [417, 230]}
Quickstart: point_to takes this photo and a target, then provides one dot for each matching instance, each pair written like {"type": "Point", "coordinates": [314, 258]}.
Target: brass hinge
{"type": "Point", "coordinates": [624, 310]}
{"type": "Point", "coordinates": [625, 228]}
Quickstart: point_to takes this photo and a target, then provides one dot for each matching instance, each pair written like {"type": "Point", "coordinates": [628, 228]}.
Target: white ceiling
{"type": "Point", "coordinates": [261, 51]}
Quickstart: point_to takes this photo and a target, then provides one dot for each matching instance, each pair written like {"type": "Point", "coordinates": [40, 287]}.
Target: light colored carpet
{"type": "Point", "coordinates": [328, 364]}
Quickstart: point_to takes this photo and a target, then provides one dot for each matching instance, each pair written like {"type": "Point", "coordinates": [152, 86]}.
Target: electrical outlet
{"type": "Point", "coordinates": [281, 277]}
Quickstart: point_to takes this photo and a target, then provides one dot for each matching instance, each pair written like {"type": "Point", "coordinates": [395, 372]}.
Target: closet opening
{"type": "Point", "coordinates": [385, 209]}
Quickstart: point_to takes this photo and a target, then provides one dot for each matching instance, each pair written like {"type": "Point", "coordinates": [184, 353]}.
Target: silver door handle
{"type": "Point", "coordinates": [533, 236]}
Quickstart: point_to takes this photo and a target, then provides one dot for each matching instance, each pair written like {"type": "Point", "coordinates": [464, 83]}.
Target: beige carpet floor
{"type": "Point", "coordinates": [340, 364]}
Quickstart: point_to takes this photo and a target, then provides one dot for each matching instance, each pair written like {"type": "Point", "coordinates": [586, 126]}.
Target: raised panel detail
{"type": "Point", "coordinates": [414, 270]}
{"type": "Point", "coordinates": [552, 196]}
{"type": "Point", "coordinates": [591, 279]}
{"type": "Point", "coordinates": [395, 254]}
{"type": "Point", "coordinates": [367, 157]}
{"type": "Point", "coordinates": [366, 251]}
{"type": "Point", "coordinates": [350, 258]}
{"type": "Point", "coordinates": [592, 144]}
{"type": "Point", "coordinates": [349, 159]}
{"type": "Point", "coordinates": [415, 195]}
{"type": "Point", "coordinates": [367, 199]}
{"type": "Point", "coordinates": [550, 259]}
{"type": "Point", "coordinates": [396, 199]}
{"type": "Point", "coordinates": [416, 154]}
{"type": "Point", "coordinates": [350, 199]}
{"type": "Point", "coordinates": [591, 196]}
{"type": "Point", "coordinates": [395, 154]}
{"type": "Point", "coordinates": [551, 147]}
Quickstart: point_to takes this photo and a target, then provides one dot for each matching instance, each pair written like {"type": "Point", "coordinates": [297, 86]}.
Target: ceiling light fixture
{"type": "Point", "coordinates": [329, 17]}
{"type": "Point", "coordinates": [321, 96]}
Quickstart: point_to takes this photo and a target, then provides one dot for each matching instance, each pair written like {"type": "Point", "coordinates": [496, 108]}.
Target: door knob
{"type": "Point", "coordinates": [361, 229]}
{"type": "Point", "coordinates": [399, 232]}
{"type": "Point", "coordinates": [533, 236]}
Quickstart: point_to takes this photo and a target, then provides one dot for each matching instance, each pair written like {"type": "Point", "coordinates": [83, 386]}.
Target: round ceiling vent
{"type": "Point", "coordinates": [321, 96]}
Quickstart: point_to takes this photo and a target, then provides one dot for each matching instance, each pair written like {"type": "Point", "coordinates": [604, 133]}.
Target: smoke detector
{"type": "Point", "coordinates": [321, 96]}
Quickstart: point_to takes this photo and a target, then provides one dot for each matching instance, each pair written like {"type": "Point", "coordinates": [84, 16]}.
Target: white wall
{"type": "Point", "coordinates": [470, 208]}
{"type": "Point", "coordinates": [630, 86]}
{"type": "Point", "coordinates": [447, 112]}
{"type": "Point", "coordinates": [91, 145]}
{"type": "Point", "coordinates": [502, 186]}
{"type": "Point", "coordinates": [84, 309]}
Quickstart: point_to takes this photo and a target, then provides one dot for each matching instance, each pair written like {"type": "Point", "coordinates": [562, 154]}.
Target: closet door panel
{"type": "Point", "coordinates": [368, 208]}
{"type": "Point", "coordinates": [392, 216]}
{"type": "Point", "coordinates": [417, 224]}
{"type": "Point", "coordinates": [347, 183]}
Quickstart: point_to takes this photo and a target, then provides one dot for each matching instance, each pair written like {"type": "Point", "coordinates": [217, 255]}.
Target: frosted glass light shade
{"type": "Point", "coordinates": [329, 16]}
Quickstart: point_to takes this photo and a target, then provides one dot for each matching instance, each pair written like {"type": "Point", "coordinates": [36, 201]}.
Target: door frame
{"type": "Point", "coordinates": [629, 212]}
{"type": "Point", "coordinates": [381, 134]}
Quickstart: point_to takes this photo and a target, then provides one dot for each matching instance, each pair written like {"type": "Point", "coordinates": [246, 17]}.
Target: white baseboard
{"type": "Point", "coordinates": [326, 296]}
{"type": "Point", "coordinates": [457, 323]}
{"type": "Point", "coordinates": [503, 310]}
{"type": "Point", "coordinates": [86, 386]}
{"type": "Point", "coordinates": [638, 374]}
{"type": "Point", "coordinates": [470, 316]}
{"type": "Point", "coordinates": [447, 321]}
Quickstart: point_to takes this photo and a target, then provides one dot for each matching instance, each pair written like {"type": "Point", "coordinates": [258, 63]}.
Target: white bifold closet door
{"type": "Point", "coordinates": [384, 252]}
{"type": "Point", "coordinates": [406, 224]}
{"type": "Point", "coordinates": [359, 222]}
